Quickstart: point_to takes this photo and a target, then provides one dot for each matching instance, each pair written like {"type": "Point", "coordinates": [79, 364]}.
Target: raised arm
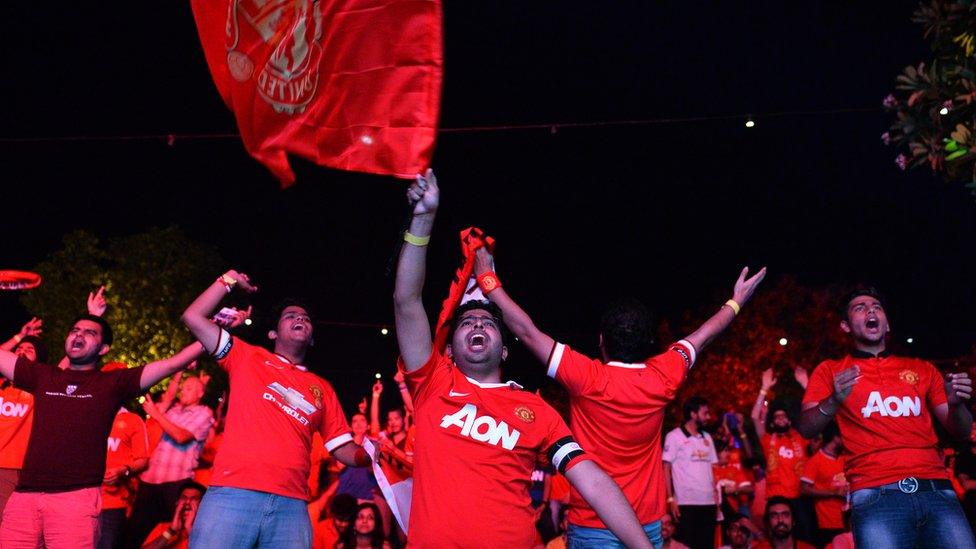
{"type": "Point", "coordinates": [155, 371]}
{"type": "Point", "coordinates": [758, 414]}
{"type": "Point", "coordinates": [374, 410]}
{"type": "Point", "coordinates": [605, 497]}
{"type": "Point", "coordinates": [517, 320]}
{"type": "Point", "coordinates": [741, 293]}
{"type": "Point", "coordinates": [31, 328]}
{"type": "Point", "coordinates": [197, 315]}
{"type": "Point", "coordinates": [412, 324]}
{"type": "Point", "coordinates": [404, 392]}
{"type": "Point", "coordinates": [177, 433]}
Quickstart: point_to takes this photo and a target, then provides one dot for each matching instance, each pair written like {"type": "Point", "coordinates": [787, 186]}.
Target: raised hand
{"type": "Point", "coordinates": [31, 328]}
{"type": "Point", "coordinates": [96, 302]}
{"type": "Point", "coordinates": [424, 194]}
{"type": "Point", "coordinates": [768, 379]}
{"type": "Point", "coordinates": [362, 405]}
{"type": "Point", "coordinates": [844, 382]}
{"type": "Point", "coordinates": [243, 281]}
{"type": "Point", "coordinates": [744, 287]}
{"type": "Point", "coordinates": [377, 389]}
{"type": "Point", "coordinates": [483, 262]}
{"type": "Point", "coordinates": [801, 376]}
{"type": "Point", "coordinates": [958, 388]}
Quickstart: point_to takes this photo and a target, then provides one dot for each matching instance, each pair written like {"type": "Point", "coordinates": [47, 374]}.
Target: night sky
{"type": "Point", "coordinates": [667, 212]}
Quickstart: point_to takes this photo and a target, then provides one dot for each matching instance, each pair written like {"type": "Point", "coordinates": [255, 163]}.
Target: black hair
{"type": "Point", "coordinates": [778, 500]}
{"type": "Point", "coordinates": [477, 304]}
{"type": "Point", "coordinates": [190, 483]}
{"type": "Point", "coordinates": [693, 404]}
{"type": "Point", "coordinates": [39, 348]}
{"type": "Point", "coordinates": [107, 336]}
{"type": "Point", "coordinates": [626, 327]}
{"type": "Point", "coordinates": [343, 507]}
{"type": "Point", "coordinates": [858, 291]}
{"type": "Point", "coordinates": [775, 406]}
{"type": "Point", "coordinates": [377, 538]}
{"type": "Point", "coordinates": [283, 304]}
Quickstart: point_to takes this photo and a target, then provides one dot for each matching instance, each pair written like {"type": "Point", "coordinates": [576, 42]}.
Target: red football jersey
{"type": "Point", "coordinates": [16, 418]}
{"type": "Point", "coordinates": [785, 457]}
{"type": "Point", "coordinates": [127, 442]}
{"type": "Point", "coordinates": [274, 408]}
{"type": "Point", "coordinates": [476, 447]}
{"type": "Point", "coordinates": [826, 473]}
{"type": "Point", "coordinates": [617, 413]}
{"type": "Point", "coordinates": [885, 422]}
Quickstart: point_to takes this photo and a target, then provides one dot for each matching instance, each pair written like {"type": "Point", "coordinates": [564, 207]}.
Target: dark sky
{"type": "Point", "coordinates": [667, 212]}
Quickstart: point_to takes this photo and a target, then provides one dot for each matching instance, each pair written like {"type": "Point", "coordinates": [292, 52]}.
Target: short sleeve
{"type": "Point", "coordinates": [334, 428]}
{"type": "Point", "coordinates": [672, 366]}
{"type": "Point", "coordinates": [576, 372]}
{"type": "Point", "coordinates": [670, 448]}
{"type": "Point", "coordinates": [232, 351]}
{"type": "Point", "coordinates": [130, 382]}
{"type": "Point", "coordinates": [421, 380]}
{"type": "Point", "coordinates": [712, 454]}
{"type": "Point", "coordinates": [821, 384]}
{"type": "Point", "coordinates": [561, 449]}
{"type": "Point", "coordinates": [27, 372]}
{"type": "Point", "coordinates": [810, 470]}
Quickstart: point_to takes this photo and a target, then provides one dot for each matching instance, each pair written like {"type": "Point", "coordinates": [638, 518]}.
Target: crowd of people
{"type": "Point", "coordinates": [859, 462]}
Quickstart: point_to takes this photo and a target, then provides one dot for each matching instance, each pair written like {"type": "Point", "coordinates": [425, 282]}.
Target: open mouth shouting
{"type": "Point", "coordinates": [477, 341]}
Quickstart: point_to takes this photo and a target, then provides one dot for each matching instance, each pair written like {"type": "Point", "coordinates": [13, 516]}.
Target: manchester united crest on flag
{"type": "Point", "coordinates": [350, 84]}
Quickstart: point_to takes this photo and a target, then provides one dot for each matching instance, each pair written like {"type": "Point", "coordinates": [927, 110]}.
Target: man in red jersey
{"type": "Point", "coordinates": [884, 404]}
{"type": "Point", "coordinates": [478, 439]}
{"type": "Point", "coordinates": [275, 406]}
{"type": "Point", "coordinates": [618, 401]}
{"type": "Point", "coordinates": [823, 481]}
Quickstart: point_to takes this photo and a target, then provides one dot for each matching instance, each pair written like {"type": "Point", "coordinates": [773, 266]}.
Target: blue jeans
{"type": "Point", "coordinates": [886, 517]}
{"type": "Point", "coordinates": [234, 518]}
{"type": "Point", "coordinates": [580, 537]}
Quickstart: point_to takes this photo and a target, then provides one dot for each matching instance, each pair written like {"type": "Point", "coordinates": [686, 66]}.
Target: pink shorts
{"type": "Point", "coordinates": [51, 519]}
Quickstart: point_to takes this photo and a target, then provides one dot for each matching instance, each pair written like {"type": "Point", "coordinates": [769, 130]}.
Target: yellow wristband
{"type": "Point", "coordinates": [18, 338]}
{"type": "Point", "coordinates": [734, 306]}
{"type": "Point", "coordinates": [416, 240]}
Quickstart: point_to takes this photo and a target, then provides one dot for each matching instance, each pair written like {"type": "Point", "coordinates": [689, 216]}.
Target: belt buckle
{"type": "Point", "coordinates": [908, 485]}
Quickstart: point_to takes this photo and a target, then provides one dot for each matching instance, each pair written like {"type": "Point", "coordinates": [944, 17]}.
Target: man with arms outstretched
{"type": "Point", "coordinates": [617, 402]}
{"type": "Point", "coordinates": [884, 404]}
{"type": "Point", "coordinates": [275, 406]}
{"type": "Point", "coordinates": [58, 496]}
{"type": "Point", "coordinates": [478, 438]}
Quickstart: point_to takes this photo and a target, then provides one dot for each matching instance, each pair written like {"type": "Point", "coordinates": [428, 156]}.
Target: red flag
{"type": "Point", "coordinates": [350, 84]}
{"type": "Point", "coordinates": [472, 238]}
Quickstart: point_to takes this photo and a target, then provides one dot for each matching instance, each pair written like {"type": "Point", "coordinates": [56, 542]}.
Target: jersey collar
{"type": "Point", "coordinates": [856, 353]}
{"type": "Point", "coordinates": [286, 361]}
{"type": "Point", "coordinates": [627, 365]}
{"type": "Point", "coordinates": [508, 383]}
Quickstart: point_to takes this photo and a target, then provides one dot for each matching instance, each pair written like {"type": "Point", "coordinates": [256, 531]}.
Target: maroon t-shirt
{"type": "Point", "coordinates": [73, 415]}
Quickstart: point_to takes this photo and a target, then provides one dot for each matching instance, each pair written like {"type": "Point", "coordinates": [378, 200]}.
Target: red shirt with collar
{"type": "Point", "coordinates": [477, 445]}
{"type": "Point", "coordinates": [274, 408]}
{"type": "Point", "coordinates": [617, 413]}
{"type": "Point", "coordinates": [885, 422]}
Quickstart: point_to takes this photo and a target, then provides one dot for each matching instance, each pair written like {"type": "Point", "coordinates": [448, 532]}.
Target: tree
{"type": "Point", "coordinates": [933, 102]}
{"type": "Point", "coordinates": [728, 373]}
{"type": "Point", "coordinates": [149, 278]}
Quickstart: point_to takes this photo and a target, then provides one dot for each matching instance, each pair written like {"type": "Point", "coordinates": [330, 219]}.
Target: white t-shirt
{"type": "Point", "coordinates": [691, 458]}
